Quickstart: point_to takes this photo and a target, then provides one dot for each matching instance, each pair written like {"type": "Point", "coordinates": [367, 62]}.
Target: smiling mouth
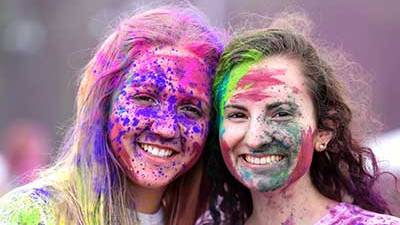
{"type": "Point", "coordinates": [262, 160]}
{"type": "Point", "coordinates": [157, 151]}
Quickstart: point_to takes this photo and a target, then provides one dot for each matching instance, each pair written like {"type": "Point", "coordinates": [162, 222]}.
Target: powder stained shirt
{"type": "Point", "coordinates": [348, 214]}
{"type": "Point", "coordinates": [28, 206]}
{"type": "Point", "coordinates": [342, 214]}
{"type": "Point", "coordinates": [35, 205]}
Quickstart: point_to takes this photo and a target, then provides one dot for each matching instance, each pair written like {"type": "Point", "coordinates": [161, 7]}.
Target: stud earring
{"type": "Point", "coordinates": [322, 147]}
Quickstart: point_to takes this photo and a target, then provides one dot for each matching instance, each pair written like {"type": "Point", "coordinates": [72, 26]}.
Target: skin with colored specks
{"type": "Point", "coordinates": [286, 133]}
{"type": "Point", "coordinates": [143, 109]}
{"type": "Point", "coordinates": [268, 134]}
{"type": "Point", "coordinates": [267, 137]}
{"type": "Point", "coordinates": [276, 124]}
{"type": "Point", "coordinates": [163, 108]}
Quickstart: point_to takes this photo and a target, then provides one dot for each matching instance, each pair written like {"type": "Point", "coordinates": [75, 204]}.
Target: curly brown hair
{"type": "Point", "coordinates": [344, 169]}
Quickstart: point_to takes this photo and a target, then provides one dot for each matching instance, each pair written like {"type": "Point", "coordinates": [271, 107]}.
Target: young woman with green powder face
{"type": "Point", "coordinates": [285, 137]}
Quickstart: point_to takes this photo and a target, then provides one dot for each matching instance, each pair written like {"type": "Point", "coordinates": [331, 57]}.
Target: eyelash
{"type": "Point", "coordinates": [144, 98]}
{"type": "Point", "coordinates": [236, 115]}
{"type": "Point", "coordinates": [189, 109]}
{"type": "Point", "coordinates": [278, 115]}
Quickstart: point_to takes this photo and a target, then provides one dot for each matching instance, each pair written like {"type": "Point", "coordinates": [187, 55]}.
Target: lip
{"type": "Point", "coordinates": [154, 158]}
{"type": "Point", "coordinates": [275, 165]}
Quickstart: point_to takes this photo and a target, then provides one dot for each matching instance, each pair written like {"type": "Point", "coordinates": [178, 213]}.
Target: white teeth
{"type": "Point", "coordinates": [153, 150]}
{"type": "Point", "coordinates": [263, 160]}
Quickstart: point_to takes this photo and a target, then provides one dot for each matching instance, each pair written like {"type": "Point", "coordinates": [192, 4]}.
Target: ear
{"type": "Point", "coordinates": [321, 139]}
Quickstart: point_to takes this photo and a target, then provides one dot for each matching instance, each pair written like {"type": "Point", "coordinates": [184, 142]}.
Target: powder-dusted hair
{"type": "Point", "coordinates": [89, 184]}
{"type": "Point", "coordinates": [345, 168]}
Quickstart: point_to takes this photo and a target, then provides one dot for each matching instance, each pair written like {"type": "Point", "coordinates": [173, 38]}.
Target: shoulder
{"type": "Point", "coordinates": [345, 213]}
{"type": "Point", "coordinates": [28, 205]}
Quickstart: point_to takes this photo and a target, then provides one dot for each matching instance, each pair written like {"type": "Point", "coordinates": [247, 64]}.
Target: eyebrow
{"type": "Point", "coordinates": [277, 104]}
{"type": "Point", "coordinates": [234, 107]}
{"type": "Point", "coordinates": [269, 107]}
{"type": "Point", "coordinates": [142, 85]}
{"type": "Point", "coordinates": [204, 102]}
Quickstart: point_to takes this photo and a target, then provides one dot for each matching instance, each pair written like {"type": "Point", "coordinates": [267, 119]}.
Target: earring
{"type": "Point", "coordinates": [322, 147]}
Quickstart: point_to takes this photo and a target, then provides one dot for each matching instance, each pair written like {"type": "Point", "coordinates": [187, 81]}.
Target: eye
{"type": "Point", "coordinates": [144, 99]}
{"type": "Point", "coordinates": [282, 115]}
{"type": "Point", "coordinates": [236, 116]}
{"type": "Point", "coordinates": [191, 111]}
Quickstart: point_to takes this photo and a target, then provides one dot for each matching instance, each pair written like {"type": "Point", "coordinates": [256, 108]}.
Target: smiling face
{"type": "Point", "coordinates": [160, 116]}
{"type": "Point", "coordinates": [267, 124]}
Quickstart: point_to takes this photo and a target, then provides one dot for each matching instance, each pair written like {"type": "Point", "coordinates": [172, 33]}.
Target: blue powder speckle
{"type": "Point", "coordinates": [135, 122]}
{"type": "Point", "coordinates": [126, 121]}
{"type": "Point", "coordinates": [196, 129]}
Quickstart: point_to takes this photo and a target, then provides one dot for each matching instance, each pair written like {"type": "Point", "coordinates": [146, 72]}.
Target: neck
{"type": "Point", "coordinates": [300, 203]}
{"type": "Point", "coordinates": [147, 200]}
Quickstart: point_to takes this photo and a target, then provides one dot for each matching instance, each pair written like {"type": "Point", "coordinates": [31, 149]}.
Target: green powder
{"type": "Point", "coordinates": [232, 78]}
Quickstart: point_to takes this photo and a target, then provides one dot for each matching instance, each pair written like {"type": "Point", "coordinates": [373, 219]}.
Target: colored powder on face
{"type": "Point", "coordinates": [304, 157]}
{"type": "Point", "coordinates": [289, 221]}
{"type": "Point", "coordinates": [155, 95]}
{"type": "Point", "coordinates": [274, 182]}
{"type": "Point", "coordinates": [258, 81]}
{"type": "Point", "coordinates": [221, 131]}
{"type": "Point", "coordinates": [228, 85]}
{"type": "Point", "coordinates": [135, 122]}
{"type": "Point", "coordinates": [126, 121]}
{"type": "Point", "coordinates": [285, 139]}
{"type": "Point", "coordinates": [228, 161]}
{"type": "Point", "coordinates": [196, 129]}
{"type": "Point", "coordinates": [245, 174]}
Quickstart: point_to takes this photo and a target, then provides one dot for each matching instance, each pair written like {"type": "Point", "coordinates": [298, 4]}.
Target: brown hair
{"type": "Point", "coordinates": [345, 168]}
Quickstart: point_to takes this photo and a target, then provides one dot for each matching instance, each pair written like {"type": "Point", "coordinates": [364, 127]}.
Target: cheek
{"type": "Point", "coordinates": [225, 151]}
{"type": "Point", "coordinates": [116, 130]}
{"type": "Point", "coordinates": [223, 145]}
{"type": "Point", "coordinates": [194, 134]}
{"type": "Point", "coordinates": [127, 116]}
{"type": "Point", "coordinates": [305, 154]}
{"type": "Point", "coordinates": [230, 135]}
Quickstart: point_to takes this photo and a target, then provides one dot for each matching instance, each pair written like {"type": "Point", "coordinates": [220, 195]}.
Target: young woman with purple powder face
{"type": "Point", "coordinates": [143, 113]}
{"type": "Point", "coordinates": [285, 136]}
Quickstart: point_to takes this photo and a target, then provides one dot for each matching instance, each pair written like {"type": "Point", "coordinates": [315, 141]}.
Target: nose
{"type": "Point", "coordinates": [166, 126]}
{"type": "Point", "coordinates": [258, 134]}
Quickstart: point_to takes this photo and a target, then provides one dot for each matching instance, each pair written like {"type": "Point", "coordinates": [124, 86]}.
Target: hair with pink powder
{"type": "Point", "coordinates": [89, 182]}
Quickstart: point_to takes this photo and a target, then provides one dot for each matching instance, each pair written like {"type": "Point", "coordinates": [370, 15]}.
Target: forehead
{"type": "Point", "coordinates": [287, 70]}
{"type": "Point", "coordinates": [272, 76]}
{"type": "Point", "coordinates": [169, 67]}
{"type": "Point", "coordinates": [168, 58]}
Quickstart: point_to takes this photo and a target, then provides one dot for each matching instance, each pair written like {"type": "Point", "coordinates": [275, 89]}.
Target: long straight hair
{"type": "Point", "coordinates": [90, 186]}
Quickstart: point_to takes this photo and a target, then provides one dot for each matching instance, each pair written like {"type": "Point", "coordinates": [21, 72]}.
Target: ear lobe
{"type": "Point", "coordinates": [321, 139]}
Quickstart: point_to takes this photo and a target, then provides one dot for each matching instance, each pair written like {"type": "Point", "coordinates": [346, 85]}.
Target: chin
{"type": "Point", "coordinates": [153, 183]}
